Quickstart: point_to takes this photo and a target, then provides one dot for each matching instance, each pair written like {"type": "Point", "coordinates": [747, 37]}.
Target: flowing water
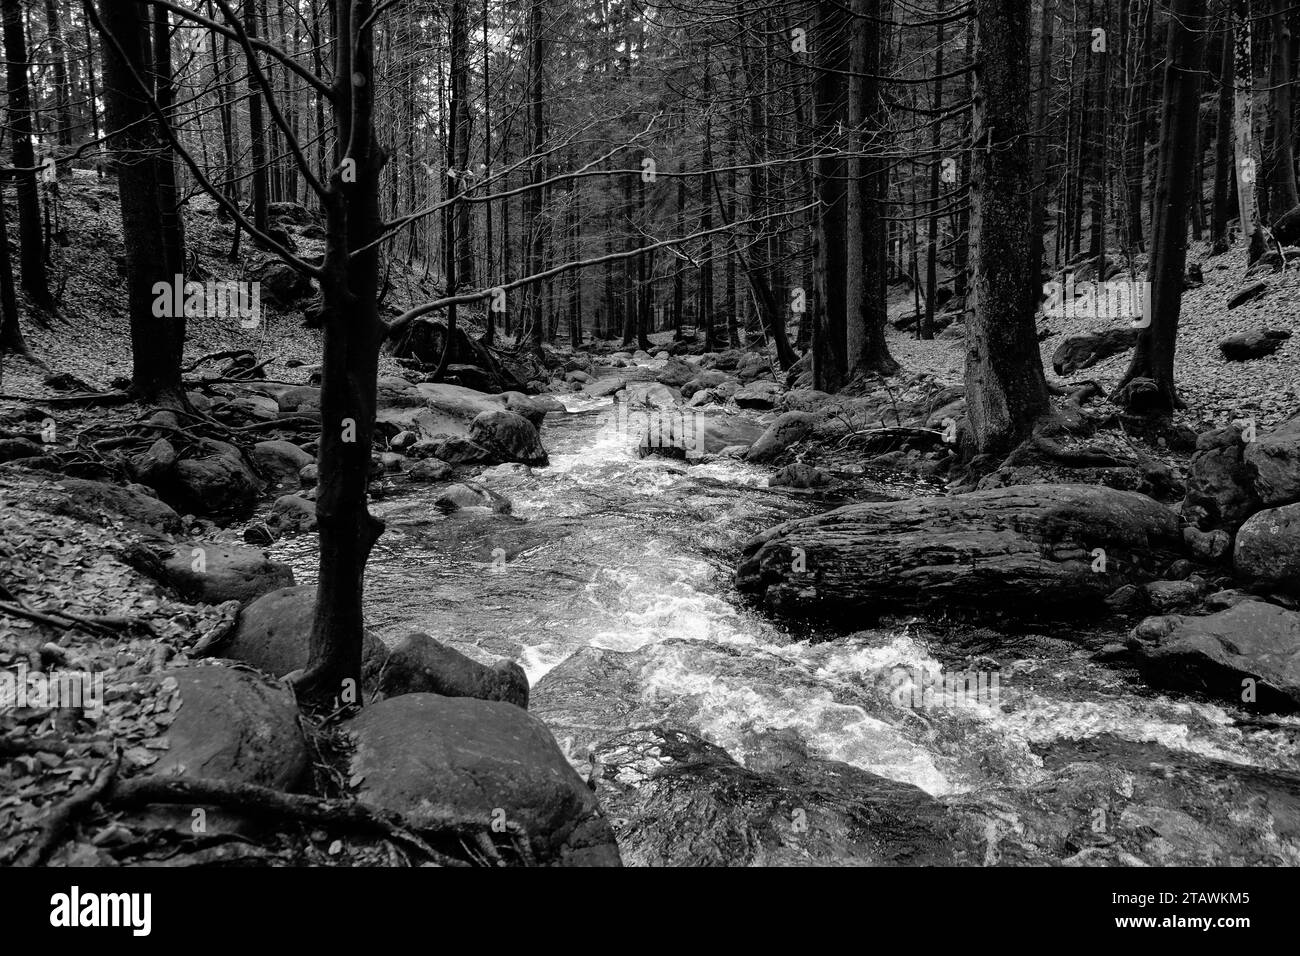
{"type": "Point", "coordinates": [608, 549]}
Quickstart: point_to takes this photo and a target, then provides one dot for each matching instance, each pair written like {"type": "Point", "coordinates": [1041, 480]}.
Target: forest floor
{"type": "Point", "coordinates": [64, 570]}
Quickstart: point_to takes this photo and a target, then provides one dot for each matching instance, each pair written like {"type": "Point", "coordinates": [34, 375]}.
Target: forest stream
{"type": "Point", "coordinates": [1067, 758]}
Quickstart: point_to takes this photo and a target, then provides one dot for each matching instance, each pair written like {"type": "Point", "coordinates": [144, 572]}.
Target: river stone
{"type": "Point", "coordinates": [294, 513]}
{"type": "Point", "coordinates": [1267, 549]}
{"type": "Point", "coordinates": [757, 395]}
{"type": "Point", "coordinates": [418, 663]}
{"type": "Point", "coordinates": [789, 427]}
{"type": "Point", "coordinates": [219, 484]}
{"type": "Point", "coordinates": [682, 433]}
{"type": "Point", "coordinates": [702, 380]}
{"type": "Point", "coordinates": [509, 436]}
{"type": "Point", "coordinates": [1024, 551]}
{"type": "Point", "coordinates": [223, 572]}
{"type": "Point", "coordinates": [1275, 460]}
{"type": "Point", "coordinates": [98, 502]}
{"type": "Point", "coordinates": [799, 475]}
{"type": "Point", "coordinates": [649, 395]}
{"type": "Point", "coordinates": [605, 386]}
{"type": "Point", "coordinates": [234, 726]}
{"type": "Point", "coordinates": [1214, 655]}
{"type": "Point", "coordinates": [272, 635]}
{"type": "Point", "coordinates": [281, 462]}
{"type": "Point", "coordinates": [676, 373]}
{"type": "Point", "coordinates": [422, 754]}
{"type": "Point", "coordinates": [471, 494]}
{"type": "Point", "coordinates": [678, 800]}
{"type": "Point", "coordinates": [430, 469]}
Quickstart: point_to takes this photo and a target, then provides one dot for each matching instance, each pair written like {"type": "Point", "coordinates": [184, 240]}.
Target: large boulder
{"type": "Point", "coordinates": [605, 386]}
{"type": "Point", "coordinates": [281, 462]}
{"type": "Point", "coordinates": [649, 395]}
{"type": "Point", "coordinates": [216, 482]}
{"type": "Point", "coordinates": [422, 755]}
{"type": "Point", "coordinates": [272, 634]}
{"type": "Point", "coordinates": [1274, 458]}
{"type": "Point", "coordinates": [1084, 351]}
{"type": "Point", "coordinates": [508, 436]}
{"type": "Point", "coordinates": [1028, 551]}
{"type": "Point", "coordinates": [709, 378]}
{"type": "Point", "coordinates": [1248, 654]}
{"type": "Point", "coordinates": [676, 373]}
{"type": "Point", "coordinates": [759, 394]}
{"type": "Point", "coordinates": [1267, 549]}
{"type": "Point", "coordinates": [283, 285]}
{"type": "Point", "coordinates": [232, 725]}
{"type": "Point", "coordinates": [789, 427]}
{"type": "Point", "coordinates": [214, 573]}
{"type": "Point", "coordinates": [419, 664]}
{"type": "Point", "coordinates": [471, 494]}
{"type": "Point", "coordinates": [1220, 486]}
{"type": "Point", "coordinates": [685, 433]}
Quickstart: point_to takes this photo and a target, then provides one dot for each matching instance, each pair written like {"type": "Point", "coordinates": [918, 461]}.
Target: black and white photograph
{"type": "Point", "coordinates": [767, 434]}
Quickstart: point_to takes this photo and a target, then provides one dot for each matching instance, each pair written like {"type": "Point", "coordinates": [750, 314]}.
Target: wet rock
{"type": "Point", "coordinates": [403, 440]}
{"type": "Point", "coordinates": [799, 475]}
{"type": "Point", "coordinates": [702, 380]}
{"type": "Point", "coordinates": [804, 400]}
{"type": "Point", "coordinates": [790, 427]}
{"type": "Point", "coordinates": [678, 800]}
{"type": "Point", "coordinates": [470, 494]}
{"type": "Point", "coordinates": [1244, 346]}
{"type": "Point", "coordinates": [605, 386]}
{"type": "Point", "coordinates": [1274, 458]}
{"type": "Point", "coordinates": [419, 664]}
{"type": "Point", "coordinates": [154, 465]}
{"type": "Point", "coordinates": [213, 573]}
{"type": "Point", "coordinates": [234, 726]}
{"type": "Point", "coordinates": [757, 395]}
{"type": "Point", "coordinates": [1221, 654]}
{"type": "Point", "coordinates": [1267, 549]}
{"type": "Point", "coordinates": [454, 449]}
{"type": "Point", "coordinates": [1228, 597]}
{"type": "Point", "coordinates": [648, 395]}
{"type": "Point", "coordinates": [422, 755]}
{"type": "Point", "coordinates": [281, 462]}
{"type": "Point", "coordinates": [1127, 599]}
{"type": "Point", "coordinates": [1029, 551]}
{"type": "Point", "coordinates": [1167, 596]}
{"type": "Point", "coordinates": [509, 436]}
{"type": "Point", "coordinates": [299, 400]}
{"type": "Point", "coordinates": [430, 469]}
{"type": "Point", "coordinates": [1084, 351]}
{"type": "Point", "coordinates": [294, 513]}
{"type": "Point", "coordinates": [390, 462]}
{"type": "Point", "coordinates": [273, 634]}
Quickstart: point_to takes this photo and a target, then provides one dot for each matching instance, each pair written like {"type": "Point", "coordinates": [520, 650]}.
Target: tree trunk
{"type": "Point", "coordinates": [133, 137]}
{"type": "Point", "coordinates": [1219, 214]}
{"type": "Point", "coordinates": [1154, 356]}
{"type": "Point", "coordinates": [830, 51]}
{"type": "Point", "coordinates": [1006, 391]}
{"type": "Point", "coordinates": [31, 242]}
{"type": "Point", "coordinates": [353, 333]}
{"type": "Point", "coordinates": [1247, 153]}
{"type": "Point", "coordinates": [1282, 197]}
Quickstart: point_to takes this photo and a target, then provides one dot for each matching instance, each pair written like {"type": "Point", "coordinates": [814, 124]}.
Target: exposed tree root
{"type": "Point", "coordinates": [66, 813]}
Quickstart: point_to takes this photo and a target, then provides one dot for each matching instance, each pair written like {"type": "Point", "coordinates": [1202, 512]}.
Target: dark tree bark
{"type": "Point", "coordinates": [830, 52]}
{"type": "Point", "coordinates": [256, 125]}
{"type": "Point", "coordinates": [31, 242]}
{"type": "Point", "coordinates": [1282, 196]}
{"type": "Point", "coordinates": [532, 312]}
{"type": "Point", "coordinates": [1247, 150]}
{"type": "Point", "coordinates": [1219, 213]}
{"type": "Point", "coordinates": [62, 95]}
{"type": "Point", "coordinates": [134, 139]}
{"type": "Point", "coordinates": [1154, 356]}
{"type": "Point", "coordinates": [353, 332]}
{"type": "Point", "coordinates": [173, 229]}
{"type": "Point", "coordinates": [865, 291]}
{"type": "Point", "coordinates": [1006, 390]}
